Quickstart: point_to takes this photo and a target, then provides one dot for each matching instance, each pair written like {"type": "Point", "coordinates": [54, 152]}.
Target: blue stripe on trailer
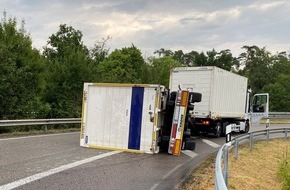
{"type": "Point", "coordinates": [136, 118]}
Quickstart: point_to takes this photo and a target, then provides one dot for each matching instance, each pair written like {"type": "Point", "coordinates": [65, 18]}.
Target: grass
{"type": "Point", "coordinates": [202, 178]}
{"type": "Point", "coordinates": [262, 169]}
{"type": "Point", "coordinates": [284, 171]}
{"type": "Point", "coordinates": [257, 169]}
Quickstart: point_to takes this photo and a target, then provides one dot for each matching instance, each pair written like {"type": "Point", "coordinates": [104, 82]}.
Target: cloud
{"type": "Point", "coordinates": [169, 24]}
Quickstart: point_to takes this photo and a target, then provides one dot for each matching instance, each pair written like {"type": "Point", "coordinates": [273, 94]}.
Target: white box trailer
{"type": "Point", "coordinates": [223, 93]}
{"type": "Point", "coordinates": [225, 99]}
{"type": "Point", "coordinates": [121, 117]}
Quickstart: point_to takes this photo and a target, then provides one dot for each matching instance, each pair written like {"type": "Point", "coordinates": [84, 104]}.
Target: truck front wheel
{"type": "Point", "coordinates": [218, 129]}
{"type": "Point", "coordinates": [247, 127]}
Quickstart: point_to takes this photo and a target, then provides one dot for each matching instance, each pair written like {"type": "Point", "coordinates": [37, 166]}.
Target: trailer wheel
{"type": "Point", "coordinates": [218, 129]}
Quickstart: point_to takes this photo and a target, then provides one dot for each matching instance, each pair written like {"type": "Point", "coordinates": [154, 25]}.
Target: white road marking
{"type": "Point", "coordinates": [38, 176]}
{"type": "Point", "coordinates": [189, 153]}
{"type": "Point", "coordinates": [165, 176]}
{"type": "Point", "coordinates": [210, 143]}
{"type": "Point", "coordinates": [37, 136]}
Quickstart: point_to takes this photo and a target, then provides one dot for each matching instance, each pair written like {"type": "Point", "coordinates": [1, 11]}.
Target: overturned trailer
{"type": "Point", "coordinates": [134, 118]}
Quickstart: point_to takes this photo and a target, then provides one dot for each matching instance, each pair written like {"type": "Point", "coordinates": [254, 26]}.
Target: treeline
{"type": "Point", "coordinates": [49, 83]}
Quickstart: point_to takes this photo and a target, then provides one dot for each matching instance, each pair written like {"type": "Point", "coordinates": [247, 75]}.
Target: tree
{"type": "Point", "coordinates": [68, 67]}
{"type": "Point", "coordinates": [190, 59]}
{"type": "Point", "coordinates": [163, 52]}
{"type": "Point", "coordinates": [159, 69]}
{"type": "Point", "coordinates": [223, 59]}
{"type": "Point", "coordinates": [20, 73]}
{"type": "Point", "coordinates": [122, 66]}
{"type": "Point", "coordinates": [179, 56]}
{"type": "Point", "coordinates": [66, 40]}
{"type": "Point", "coordinates": [257, 66]}
{"type": "Point", "coordinates": [279, 93]}
{"type": "Point", "coordinates": [100, 52]}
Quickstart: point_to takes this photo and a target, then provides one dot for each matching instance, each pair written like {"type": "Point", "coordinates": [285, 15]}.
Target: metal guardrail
{"type": "Point", "coordinates": [279, 114]}
{"type": "Point", "coordinates": [221, 173]}
{"type": "Point", "coordinates": [78, 120]}
{"type": "Point", "coordinates": [8, 123]}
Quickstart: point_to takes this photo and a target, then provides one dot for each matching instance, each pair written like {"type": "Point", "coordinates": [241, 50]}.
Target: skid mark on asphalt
{"type": "Point", "coordinates": [38, 176]}
{"type": "Point", "coordinates": [210, 143]}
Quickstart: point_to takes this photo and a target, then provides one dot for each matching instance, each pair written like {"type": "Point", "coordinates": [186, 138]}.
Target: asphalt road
{"type": "Point", "coordinates": [58, 162]}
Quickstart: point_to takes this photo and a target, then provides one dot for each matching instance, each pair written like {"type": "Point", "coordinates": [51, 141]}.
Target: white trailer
{"type": "Point", "coordinates": [121, 117]}
{"type": "Point", "coordinates": [141, 118]}
{"type": "Point", "coordinates": [225, 98]}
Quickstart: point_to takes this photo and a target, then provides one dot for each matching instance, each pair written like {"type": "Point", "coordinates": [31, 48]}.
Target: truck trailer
{"type": "Point", "coordinates": [226, 99]}
{"type": "Point", "coordinates": [142, 118]}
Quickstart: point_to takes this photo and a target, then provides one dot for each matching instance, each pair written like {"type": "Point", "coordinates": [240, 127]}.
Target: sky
{"type": "Point", "coordinates": [199, 25]}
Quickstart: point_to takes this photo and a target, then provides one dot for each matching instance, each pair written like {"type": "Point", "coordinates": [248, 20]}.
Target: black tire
{"type": "Point", "coordinates": [218, 130]}
{"type": "Point", "coordinates": [224, 124]}
{"type": "Point", "coordinates": [189, 144]}
{"type": "Point", "coordinates": [247, 128]}
{"type": "Point", "coordinates": [194, 97]}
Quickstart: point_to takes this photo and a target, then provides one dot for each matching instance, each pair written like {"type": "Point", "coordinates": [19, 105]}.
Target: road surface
{"type": "Point", "coordinates": [58, 162]}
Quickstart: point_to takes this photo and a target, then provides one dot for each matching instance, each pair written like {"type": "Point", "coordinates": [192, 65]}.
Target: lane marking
{"type": "Point", "coordinates": [210, 143]}
{"type": "Point", "coordinates": [189, 153]}
{"type": "Point", "coordinates": [38, 176]}
{"type": "Point", "coordinates": [165, 176]}
{"type": "Point", "coordinates": [36, 136]}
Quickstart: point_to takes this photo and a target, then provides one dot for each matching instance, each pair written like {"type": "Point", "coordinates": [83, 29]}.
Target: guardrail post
{"type": "Point", "coordinates": [228, 133]}
{"type": "Point", "coordinates": [285, 133]}
{"type": "Point", "coordinates": [251, 141]}
{"type": "Point", "coordinates": [236, 149]}
{"type": "Point", "coordinates": [267, 134]}
{"type": "Point", "coordinates": [226, 165]}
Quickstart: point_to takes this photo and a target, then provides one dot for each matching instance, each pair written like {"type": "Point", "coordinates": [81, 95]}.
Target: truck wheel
{"type": "Point", "coordinates": [218, 129]}
{"type": "Point", "coordinates": [224, 124]}
{"type": "Point", "coordinates": [189, 144]}
{"type": "Point", "coordinates": [247, 128]}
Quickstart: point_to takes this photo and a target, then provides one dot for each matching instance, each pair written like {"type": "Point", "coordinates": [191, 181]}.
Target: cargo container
{"type": "Point", "coordinates": [142, 118]}
{"type": "Point", "coordinates": [121, 117]}
{"type": "Point", "coordinates": [225, 99]}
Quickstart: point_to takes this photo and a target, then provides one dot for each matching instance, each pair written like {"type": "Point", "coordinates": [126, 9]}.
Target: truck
{"type": "Point", "coordinates": [141, 118]}
{"type": "Point", "coordinates": [226, 100]}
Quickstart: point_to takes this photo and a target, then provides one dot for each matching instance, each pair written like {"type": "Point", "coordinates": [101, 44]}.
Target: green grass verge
{"type": "Point", "coordinates": [284, 172]}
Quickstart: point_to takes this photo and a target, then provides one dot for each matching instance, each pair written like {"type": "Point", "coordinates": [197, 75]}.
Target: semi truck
{"type": "Point", "coordinates": [226, 100]}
